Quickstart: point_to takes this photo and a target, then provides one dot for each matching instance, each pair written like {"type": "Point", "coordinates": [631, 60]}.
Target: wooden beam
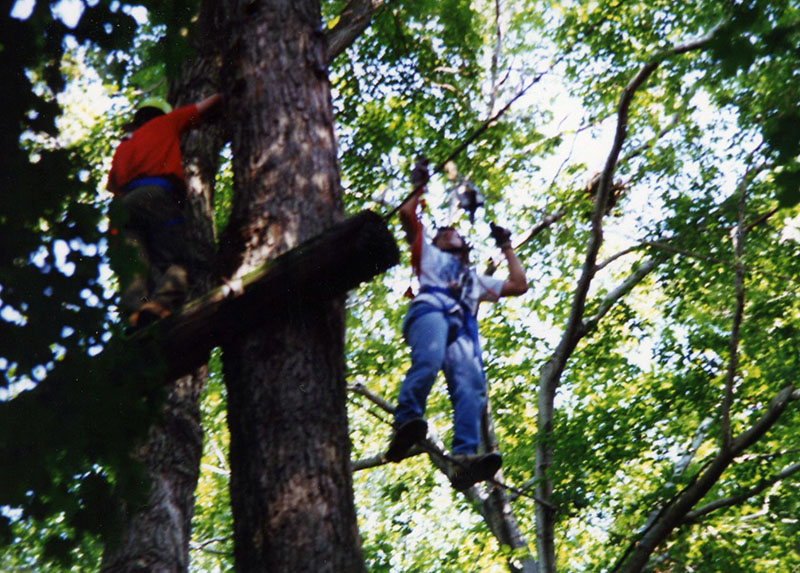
{"type": "Point", "coordinates": [324, 267]}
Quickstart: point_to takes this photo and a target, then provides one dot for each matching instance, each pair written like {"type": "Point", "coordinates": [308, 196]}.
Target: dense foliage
{"type": "Point", "coordinates": [659, 378]}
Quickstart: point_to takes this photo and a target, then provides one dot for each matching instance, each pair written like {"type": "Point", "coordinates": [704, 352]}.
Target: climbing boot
{"type": "Point", "coordinates": [147, 314]}
{"type": "Point", "coordinates": [405, 436]}
{"type": "Point", "coordinates": [465, 470]}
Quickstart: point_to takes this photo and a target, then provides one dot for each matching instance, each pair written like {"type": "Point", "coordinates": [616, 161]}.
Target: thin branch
{"type": "Point", "coordinates": [498, 46]}
{"type": "Point", "coordinates": [738, 315]}
{"type": "Point", "coordinates": [676, 117]}
{"type": "Point", "coordinates": [761, 220]}
{"type": "Point", "coordinates": [742, 497]}
{"type": "Point", "coordinates": [697, 440]}
{"type": "Point", "coordinates": [380, 460]}
{"type": "Point", "coordinates": [544, 224]}
{"type": "Point", "coordinates": [700, 256]}
{"type": "Point", "coordinates": [636, 152]}
{"type": "Point", "coordinates": [616, 256]}
{"type": "Point", "coordinates": [359, 388]}
{"type": "Point", "coordinates": [615, 295]}
{"type": "Point", "coordinates": [203, 545]}
{"type": "Point", "coordinates": [207, 542]}
{"type": "Point", "coordinates": [775, 409]}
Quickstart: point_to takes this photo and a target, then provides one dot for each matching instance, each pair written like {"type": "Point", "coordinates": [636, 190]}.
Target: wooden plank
{"type": "Point", "coordinates": [326, 266]}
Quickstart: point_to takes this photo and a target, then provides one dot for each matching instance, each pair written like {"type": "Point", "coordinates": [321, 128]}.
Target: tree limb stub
{"type": "Point", "coordinates": [329, 265]}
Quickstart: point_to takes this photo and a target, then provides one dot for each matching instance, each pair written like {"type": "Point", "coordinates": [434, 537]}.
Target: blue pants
{"type": "Point", "coordinates": [426, 333]}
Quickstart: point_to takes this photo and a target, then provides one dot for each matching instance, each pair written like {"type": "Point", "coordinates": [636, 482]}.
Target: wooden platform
{"type": "Point", "coordinates": [326, 266]}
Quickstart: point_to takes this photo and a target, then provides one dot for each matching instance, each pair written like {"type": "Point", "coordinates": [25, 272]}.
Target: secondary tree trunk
{"type": "Point", "coordinates": [156, 538]}
{"type": "Point", "coordinates": [291, 488]}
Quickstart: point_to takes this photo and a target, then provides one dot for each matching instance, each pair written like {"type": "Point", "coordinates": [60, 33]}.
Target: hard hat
{"type": "Point", "coordinates": [156, 102]}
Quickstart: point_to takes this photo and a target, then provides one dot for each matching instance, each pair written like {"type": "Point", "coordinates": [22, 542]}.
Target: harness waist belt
{"type": "Point", "coordinates": [469, 326]}
{"type": "Point", "coordinates": [162, 182]}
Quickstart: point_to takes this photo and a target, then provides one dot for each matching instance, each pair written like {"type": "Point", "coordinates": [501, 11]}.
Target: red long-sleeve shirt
{"type": "Point", "coordinates": [153, 149]}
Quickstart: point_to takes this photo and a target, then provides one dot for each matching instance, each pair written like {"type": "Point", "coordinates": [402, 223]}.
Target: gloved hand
{"type": "Point", "coordinates": [501, 235]}
{"type": "Point", "coordinates": [419, 174]}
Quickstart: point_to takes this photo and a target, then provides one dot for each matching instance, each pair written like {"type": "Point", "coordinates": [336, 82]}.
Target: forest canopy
{"type": "Point", "coordinates": [644, 156]}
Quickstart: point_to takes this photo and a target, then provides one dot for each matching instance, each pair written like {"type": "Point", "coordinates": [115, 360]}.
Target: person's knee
{"type": "Point", "coordinates": [176, 274]}
{"type": "Point", "coordinates": [172, 287]}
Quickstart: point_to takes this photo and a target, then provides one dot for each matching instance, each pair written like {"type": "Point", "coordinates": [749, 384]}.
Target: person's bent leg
{"type": "Point", "coordinates": [427, 337]}
{"type": "Point", "coordinates": [466, 384]}
{"type": "Point", "coordinates": [171, 288]}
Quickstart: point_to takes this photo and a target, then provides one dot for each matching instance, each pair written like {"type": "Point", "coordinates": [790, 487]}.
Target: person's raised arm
{"type": "Point", "coordinates": [408, 217]}
{"type": "Point", "coordinates": [205, 105]}
{"type": "Point", "coordinates": [408, 210]}
{"type": "Point", "coordinates": [516, 283]}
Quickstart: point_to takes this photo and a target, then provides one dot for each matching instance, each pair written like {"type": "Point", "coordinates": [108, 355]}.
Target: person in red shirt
{"type": "Point", "coordinates": [149, 189]}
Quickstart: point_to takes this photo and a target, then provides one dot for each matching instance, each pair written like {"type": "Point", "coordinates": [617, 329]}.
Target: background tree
{"type": "Point", "coordinates": [658, 344]}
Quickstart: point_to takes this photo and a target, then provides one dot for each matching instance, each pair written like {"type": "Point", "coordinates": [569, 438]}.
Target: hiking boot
{"type": "Point", "coordinates": [147, 314]}
{"type": "Point", "coordinates": [406, 435]}
{"type": "Point", "coordinates": [468, 469]}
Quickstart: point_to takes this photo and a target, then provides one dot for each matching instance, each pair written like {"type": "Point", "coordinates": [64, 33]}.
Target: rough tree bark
{"type": "Point", "coordinates": [291, 488]}
{"type": "Point", "coordinates": [156, 538]}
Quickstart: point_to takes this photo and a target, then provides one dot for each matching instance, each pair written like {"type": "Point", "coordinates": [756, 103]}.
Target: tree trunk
{"type": "Point", "coordinates": [291, 488]}
{"type": "Point", "coordinates": [156, 538]}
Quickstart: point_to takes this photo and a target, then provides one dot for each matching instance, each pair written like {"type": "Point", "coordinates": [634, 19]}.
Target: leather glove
{"type": "Point", "coordinates": [501, 235]}
{"type": "Point", "coordinates": [419, 174]}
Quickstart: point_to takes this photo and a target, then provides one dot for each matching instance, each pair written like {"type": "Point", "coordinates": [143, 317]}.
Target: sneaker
{"type": "Point", "coordinates": [404, 437]}
{"type": "Point", "coordinates": [468, 469]}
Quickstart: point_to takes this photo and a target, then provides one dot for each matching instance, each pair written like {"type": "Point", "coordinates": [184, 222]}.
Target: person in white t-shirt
{"type": "Point", "coordinates": [442, 331]}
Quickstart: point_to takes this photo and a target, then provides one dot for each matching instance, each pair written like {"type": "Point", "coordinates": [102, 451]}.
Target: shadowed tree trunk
{"type": "Point", "coordinates": [156, 538]}
{"type": "Point", "coordinates": [291, 487]}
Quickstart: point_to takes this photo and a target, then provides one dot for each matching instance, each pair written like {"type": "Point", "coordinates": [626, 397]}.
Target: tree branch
{"type": "Point", "coordinates": [742, 497]}
{"type": "Point", "coordinates": [637, 555]}
{"type": "Point", "coordinates": [498, 45]}
{"type": "Point", "coordinates": [761, 220]}
{"type": "Point", "coordinates": [616, 256]}
{"type": "Point", "coordinates": [615, 295]}
{"type": "Point", "coordinates": [359, 388]}
{"type": "Point", "coordinates": [699, 437]}
{"type": "Point", "coordinates": [544, 224]}
{"type": "Point", "coordinates": [775, 409]}
{"type": "Point", "coordinates": [717, 260]}
{"type": "Point", "coordinates": [353, 20]}
{"type": "Point", "coordinates": [738, 315]}
{"type": "Point", "coordinates": [551, 372]}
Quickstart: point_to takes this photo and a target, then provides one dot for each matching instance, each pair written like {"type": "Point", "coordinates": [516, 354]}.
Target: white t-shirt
{"type": "Point", "coordinates": [443, 270]}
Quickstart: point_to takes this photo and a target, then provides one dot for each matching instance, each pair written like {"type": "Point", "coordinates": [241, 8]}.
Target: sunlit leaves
{"type": "Point", "coordinates": [638, 405]}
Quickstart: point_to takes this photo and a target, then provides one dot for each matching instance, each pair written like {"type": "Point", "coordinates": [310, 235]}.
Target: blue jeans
{"type": "Point", "coordinates": [426, 333]}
